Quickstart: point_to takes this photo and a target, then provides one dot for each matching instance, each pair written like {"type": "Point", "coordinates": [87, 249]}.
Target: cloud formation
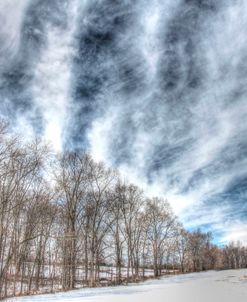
{"type": "Point", "coordinates": [155, 88]}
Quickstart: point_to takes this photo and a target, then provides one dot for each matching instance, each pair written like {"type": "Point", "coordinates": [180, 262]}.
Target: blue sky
{"type": "Point", "coordinates": [155, 88]}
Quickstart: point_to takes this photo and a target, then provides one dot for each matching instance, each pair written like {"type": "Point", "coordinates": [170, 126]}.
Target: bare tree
{"type": "Point", "coordinates": [197, 243]}
{"type": "Point", "coordinates": [182, 239]}
{"type": "Point", "coordinates": [97, 213]}
{"type": "Point", "coordinates": [72, 177]}
{"type": "Point", "coordinates": [20, 169]}
{"type": "Point", "coordinates": [161, 223]}
{"type": "Point", "coordinates": [60, 223]}
{"type": "Point", "coordinates": [130, 198]}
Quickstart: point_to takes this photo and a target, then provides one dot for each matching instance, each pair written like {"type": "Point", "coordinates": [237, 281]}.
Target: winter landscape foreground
{"type": "Point", "coordinates": [227, 286]}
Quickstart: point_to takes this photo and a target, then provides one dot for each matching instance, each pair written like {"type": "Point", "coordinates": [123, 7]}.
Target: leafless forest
{"type": "Point", "coordinates": [69, 222]}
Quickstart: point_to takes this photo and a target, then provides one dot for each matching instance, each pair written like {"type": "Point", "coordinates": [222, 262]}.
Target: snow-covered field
{"type": "Point", "coordinates": [225, 286]}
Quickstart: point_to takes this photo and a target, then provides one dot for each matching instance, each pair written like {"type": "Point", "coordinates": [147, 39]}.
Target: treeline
{"type": "Point", "coordinates": [68, 222]}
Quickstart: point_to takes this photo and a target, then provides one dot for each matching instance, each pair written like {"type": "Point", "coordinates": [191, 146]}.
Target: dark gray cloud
{"type": "Point", "coordinates": [156, 88]}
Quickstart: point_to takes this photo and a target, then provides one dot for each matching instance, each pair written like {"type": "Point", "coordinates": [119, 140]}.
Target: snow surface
{"type": "Point", "coordinates": [210, 286]}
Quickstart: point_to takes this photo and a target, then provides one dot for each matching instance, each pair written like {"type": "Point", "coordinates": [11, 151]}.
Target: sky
{"type": "Point", "coordinates": [156, 88]}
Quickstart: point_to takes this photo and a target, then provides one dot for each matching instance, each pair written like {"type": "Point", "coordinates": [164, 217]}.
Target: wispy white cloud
{"type": "Point", "coordinates": [201, 136]}
{"type": "Point", "coordinates": [235, 232]}
{"type": "Point", "coordinates": [168, 88]}
{"type": "Point", "coordinates": [12, 14]}
{"type": "Point", "coordinates": [51, 87]}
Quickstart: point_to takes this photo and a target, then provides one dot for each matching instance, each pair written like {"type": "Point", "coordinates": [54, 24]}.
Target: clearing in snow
{"type": "Point", "coordinates": [212, 286]}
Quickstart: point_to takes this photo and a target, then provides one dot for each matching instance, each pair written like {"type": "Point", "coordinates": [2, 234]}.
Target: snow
{"type": "Point", "coordinates": [210, 286]}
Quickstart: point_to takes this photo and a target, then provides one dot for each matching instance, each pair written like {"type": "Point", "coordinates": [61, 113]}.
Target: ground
{"type": "Point", "coordinates": [225, 286]}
